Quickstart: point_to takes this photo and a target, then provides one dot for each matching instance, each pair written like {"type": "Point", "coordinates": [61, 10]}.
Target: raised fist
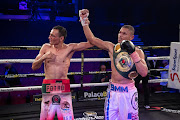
{"type": "Point", "coordinates": [83, 14]}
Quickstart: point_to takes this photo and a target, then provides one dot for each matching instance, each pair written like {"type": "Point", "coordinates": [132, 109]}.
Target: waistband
{"type": "Point", "coordinates": [48, 81]}
{"type": "Point", "coordinates": [116, 87]}
{"type": "Point", "coordinates": [56, 86]}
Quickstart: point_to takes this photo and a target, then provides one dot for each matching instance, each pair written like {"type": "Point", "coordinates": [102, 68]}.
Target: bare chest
{"type": "Point", "coordinates": [59, 57]}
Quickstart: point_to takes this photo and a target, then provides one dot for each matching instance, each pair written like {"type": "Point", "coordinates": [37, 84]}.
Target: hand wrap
{"type": "Point", "coordinates": [135, 57]}
{"type": "Point", "coordinates": [83, 18]}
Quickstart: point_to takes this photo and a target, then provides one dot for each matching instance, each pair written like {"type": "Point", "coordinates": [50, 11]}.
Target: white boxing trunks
{"type": "Point", "coordinates": [56, 99]}
{"type": "Point", "coordinates": [121, 102]}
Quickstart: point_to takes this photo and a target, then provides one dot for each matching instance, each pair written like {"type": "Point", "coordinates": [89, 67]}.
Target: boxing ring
{"type": "Point", "coordinates": [96, 107]}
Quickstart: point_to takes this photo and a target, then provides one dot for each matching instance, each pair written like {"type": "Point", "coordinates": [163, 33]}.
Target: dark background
{"type": "Point", "coordinates": [156, 23]}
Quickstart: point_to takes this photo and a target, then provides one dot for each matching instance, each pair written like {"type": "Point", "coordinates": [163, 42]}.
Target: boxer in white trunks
{"type": "Point", "coordinates": [127, 61]}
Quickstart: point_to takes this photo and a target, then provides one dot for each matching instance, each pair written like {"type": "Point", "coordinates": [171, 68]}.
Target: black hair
{"type": "Point", "coordinates": [62, 31]}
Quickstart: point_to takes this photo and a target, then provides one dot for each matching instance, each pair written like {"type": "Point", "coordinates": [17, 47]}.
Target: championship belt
{"type": "Point", "coordinates": [124, 63]}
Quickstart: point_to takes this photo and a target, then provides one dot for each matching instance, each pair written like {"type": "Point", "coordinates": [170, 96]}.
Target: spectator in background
{"type": "Point", "coordinates": [10, 69]}
{"type": "Point", "coordinates": [164, 74]}
{"type": "Point", "coordinates": [2, 83]}
{"type": "Point", "coordinates": [99, 78]}
{"type": "Point", "coordinates": [155, 64]}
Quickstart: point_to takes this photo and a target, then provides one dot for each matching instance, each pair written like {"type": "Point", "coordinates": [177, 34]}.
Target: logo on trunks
{"type": "Point", "coordinates": [134, 101]}
{"type": "Point", "coordinates": [65, 106]}
{"type": "Point", "coordinates": [133, 116]}
{"type": "Point", "coordinates": [123, 62]}
{"type": "Point", "coordinates": [55, 87]}
{"type": "Point", "coordinates": [119, 88]}
{"type": "Point", "coordinates": [56, 100]}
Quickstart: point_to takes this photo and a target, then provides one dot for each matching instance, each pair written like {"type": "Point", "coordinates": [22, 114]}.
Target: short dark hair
{"type": "Point", "coordinates": [62, 31]}
{"type": "Point", "coordinates": [130, 28]}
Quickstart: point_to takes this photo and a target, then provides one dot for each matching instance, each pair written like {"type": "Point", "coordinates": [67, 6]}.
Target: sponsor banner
{"type": "Point", "coordinates": [94, 95]}
{"type": "Point", "coordinates": [37, 98]}
{"type": "Point", "coordinates": [174, 66]}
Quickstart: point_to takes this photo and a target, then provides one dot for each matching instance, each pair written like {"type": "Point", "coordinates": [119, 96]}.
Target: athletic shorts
{"type": "Point", "coordinates": [121, 102]}
{"type": "Point", "coordinates": [56, 99]}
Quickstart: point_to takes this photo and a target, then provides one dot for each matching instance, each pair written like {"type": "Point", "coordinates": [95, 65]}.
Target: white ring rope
{"type": "Point", "coordinates": [71, 86]}
{"type": "Point", "coordinates": [156, 80]}
{"type": "Point", "coordinates": [76, 60]}
{"type": "Point", "coordinates": [158, 70]}
{"type": "Point", "coordinates": [39, 87]}
{"type": "Point", "coordinates": [72, 60]}
{"type": "Point", "coordinates": [159, 58]}
{"type": "Point", "coordinates": [16, 61]}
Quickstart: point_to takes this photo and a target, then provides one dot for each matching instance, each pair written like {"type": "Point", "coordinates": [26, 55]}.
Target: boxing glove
{"type": "Point", "coordinates": [127, 46]}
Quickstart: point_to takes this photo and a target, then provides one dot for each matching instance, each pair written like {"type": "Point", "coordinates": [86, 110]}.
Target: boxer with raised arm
{"type": "Point", "coordinates": [56, 55]}
{"type": "Point", "coordinates": [127, 61]}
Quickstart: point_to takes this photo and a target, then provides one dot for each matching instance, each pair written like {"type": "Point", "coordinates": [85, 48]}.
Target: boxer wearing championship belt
{"type": "Point", "coordinates": [126, 61]}
{"type": "Point", "coordinates": [123, 62]}
{"type": "Point", "coordinates": [56, 55]}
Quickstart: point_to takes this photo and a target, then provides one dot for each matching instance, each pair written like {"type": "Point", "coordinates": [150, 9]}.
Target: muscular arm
{"type": "Point", "coordinates": [105, 45]}
{"type": "Point", "coordinates": [39, 59]}
{"type": "Point", "coordinates": [83, 14]}
{"type": "Point", "coordinates": [81, 46]}
{"type": "Point", "coordinates": [141, 66]}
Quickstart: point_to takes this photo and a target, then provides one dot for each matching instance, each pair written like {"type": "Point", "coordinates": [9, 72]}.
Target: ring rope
{"type": "Point", "coordinates": [155, 47]}
{"type": "Point", "coordinates": [159, 58]}
{"type": "Point", "coordinates": [70, 73]}
{"type": "Point", "coordinates": [158, 70]}
{"type": "Point", "coordinates": [43, 74]}
{"type": "Point", "coordinates": [156, 80]}
{"type": "Point", "coordinates": [20, 47]}
{"type": "Point", "coordinates": [71, 86]}
{"type": "Point", "coordinates": [33, 48]}
{"type": "Point", "coordinates": [93, 48]}
{"type": "Point", "coordinates": [72, 60]}
{"type": "Point", "coordinates": [39, 87]}
{"type": "Point", "coordinates": [76, 60]}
